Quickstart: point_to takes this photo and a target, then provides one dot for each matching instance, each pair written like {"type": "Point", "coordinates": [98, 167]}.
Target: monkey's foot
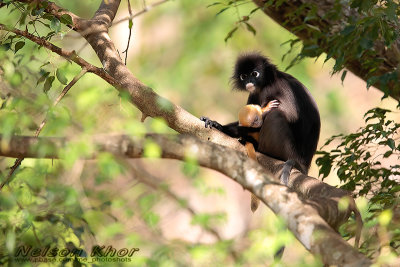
{"type": "Point", "coordinates": [211, 124]}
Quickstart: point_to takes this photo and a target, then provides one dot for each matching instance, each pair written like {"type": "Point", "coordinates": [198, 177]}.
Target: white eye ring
{"type": "Point", "coordinates": [255, 74]}
{"type": "Point", "coordinates": [243, 76]}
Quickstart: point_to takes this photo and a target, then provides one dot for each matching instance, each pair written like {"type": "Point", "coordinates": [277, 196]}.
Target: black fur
{"type": "Point", "coordinates": [247, 63]}
{"type": "Point", "coordinates": [290, 131]}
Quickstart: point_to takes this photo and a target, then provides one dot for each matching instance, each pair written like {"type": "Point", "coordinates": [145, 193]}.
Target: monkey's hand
{"type": "Point", "coordinates": [211, 124]}
{"type": "Point", "coordinates": [271, 104]}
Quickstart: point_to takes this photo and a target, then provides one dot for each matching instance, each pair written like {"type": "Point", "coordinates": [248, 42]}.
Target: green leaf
{"type": "Point", "coordinates": [250, 28]}
{"type": "Point", "coordinates": [343, 75]}
{"type": "Point", "coordinates": [43, 76]}
{"type": "Point", "coordinates": [387, 154]}
{"type": "Point", "coordinates": [348, 29]}
{"type": "Point", "coordinates": [19, 45]}
{"type": "Point", "coordinates": [395, 189]}
{"type": "Point", "coordinates": [230, 34]}
{"type": "Point", "coordinates": [55, 25]}
{"type": "Point", "coordinates": [390, 143]}
{"type": "Point", "coordinates": [254, 10]}
{"type": "Point", "coordinates": [66, 19]}
{"type": "Point", "coordinates": [391, 9]}
{"type": "Point", "coordinates": [312, 50]}
{"type": "Point", "coordinates": [325, 168]}
{"type": "Point", "coordinates": [48, 84]}
{"type": "Point", "coordinates": [214, 4]}
{"type": "Point", "coordinates": [222, 10]}
{"type": "Point", "coordinates": [61, 77]}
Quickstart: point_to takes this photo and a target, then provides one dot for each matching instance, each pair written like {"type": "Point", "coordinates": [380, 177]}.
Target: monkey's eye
{"type": "Point", "coordinates": [243, 76]}
{"type": "Point", "coordinates": [255, 74]}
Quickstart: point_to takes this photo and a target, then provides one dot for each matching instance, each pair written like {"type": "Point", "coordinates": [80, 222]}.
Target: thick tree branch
{"type": "Point", "coordinates": [107, 11]}
{"type": "Point", "coordinates": [303, 220]}
{"type": "Point", "coordinates": [389, 55]}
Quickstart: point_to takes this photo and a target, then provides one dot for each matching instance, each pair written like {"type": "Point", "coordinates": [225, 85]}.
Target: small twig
{"type": "Point", "coordinates": [61, 95]}
{"type": "Point", "coordinates": [69, 55]}
{"type": "Point", "coordinates": [39, 129]}
{"type": "Point", "coordinates": [144, 10]}
{"type": "Point", "coordinates": [130, 31]}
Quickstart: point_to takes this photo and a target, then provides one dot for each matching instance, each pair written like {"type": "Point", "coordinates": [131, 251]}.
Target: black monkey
{"type": "Point", "coordinates": [289, 132]}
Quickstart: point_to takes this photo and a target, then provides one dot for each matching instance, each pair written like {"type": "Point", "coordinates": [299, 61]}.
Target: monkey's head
{"type": "Point", "coordinates": [252, 71]}
{"type": "Point", "coordinates": [250, 116]}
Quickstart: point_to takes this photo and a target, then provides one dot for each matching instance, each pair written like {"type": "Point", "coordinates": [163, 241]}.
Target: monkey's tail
{"type": "Point", "coordinates": [287, 168]}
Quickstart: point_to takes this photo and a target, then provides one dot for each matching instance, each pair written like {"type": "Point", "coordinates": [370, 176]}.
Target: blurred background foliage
{"type": "Point", "coordinates": [176, 213]}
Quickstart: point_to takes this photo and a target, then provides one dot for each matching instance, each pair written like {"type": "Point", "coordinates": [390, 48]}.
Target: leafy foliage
{"type": "Point", "coordinates": [367, 163]}
{"type": "Point", "coordinates": [242, 22]}
{"type": "Point", "coordinates": [355, 37]}
{"type": "Point", "coordinates": [358, 157]}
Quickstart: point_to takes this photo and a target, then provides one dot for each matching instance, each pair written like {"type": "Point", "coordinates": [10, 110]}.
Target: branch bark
{"type": "Point", "coordinates": [303, 220]}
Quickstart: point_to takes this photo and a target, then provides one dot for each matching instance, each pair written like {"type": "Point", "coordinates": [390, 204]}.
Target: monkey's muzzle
{"type": "Point", "coordinates": [250, 87]}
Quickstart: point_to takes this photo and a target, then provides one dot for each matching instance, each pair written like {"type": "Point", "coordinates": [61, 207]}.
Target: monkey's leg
{"type": "Point", "coordinates": [276, 140]}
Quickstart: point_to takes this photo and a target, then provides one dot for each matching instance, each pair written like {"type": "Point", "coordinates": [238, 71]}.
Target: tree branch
{"type": "Point", "coordinates": [303, 220]}
{"type": "Point", "coordinates": [69, 55]}
{"type": "Point", "coordinates": [144, 10]}
{"type": "Point", "coordinates": [58, 11]}
{"type": "Point", "coordinates": [106, 12]}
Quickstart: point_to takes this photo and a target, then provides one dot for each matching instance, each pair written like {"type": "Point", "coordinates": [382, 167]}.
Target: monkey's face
{"type": "Point", "coordinates": [249, 72]}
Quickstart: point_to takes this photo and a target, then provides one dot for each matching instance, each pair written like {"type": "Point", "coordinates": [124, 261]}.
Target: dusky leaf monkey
{"type": "Point", "coordinates": [289, 132]}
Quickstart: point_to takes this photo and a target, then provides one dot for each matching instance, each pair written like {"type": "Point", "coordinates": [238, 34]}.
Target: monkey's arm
{"type": "Point", "coordinates": [232, 129]}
